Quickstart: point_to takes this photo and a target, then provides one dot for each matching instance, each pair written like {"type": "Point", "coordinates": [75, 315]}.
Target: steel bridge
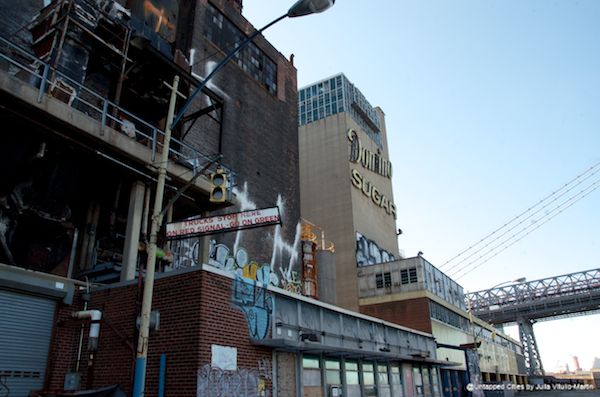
{"type": "Point", "coordinates": [525, 303]}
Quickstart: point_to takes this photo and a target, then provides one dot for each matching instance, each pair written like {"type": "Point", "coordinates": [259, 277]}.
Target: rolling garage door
{"type": "Point", "coordinates": [25, 332]}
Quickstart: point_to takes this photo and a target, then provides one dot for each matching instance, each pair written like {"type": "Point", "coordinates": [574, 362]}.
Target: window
{"type": "Point", "coordinates": [333, 372]}
{"type": "Point", "coordinates": [408, 276]}
{"type": "Point", "coordinates": [435, 388]}
{"type": "Point", "coordinates": [447, 316]}
{"type": "Point", "coordinates": [396, 376]}
{"type": "Point", "coordinates": [418, 380]}
{"type": "Point", "coordinates": [426, 382]}
{"type": "Point", "coordinates": [382, 375]}
{"type": "Point", "coordinates": [383, 280]}
{"type": "Point", "coordinates": [368, 373]}
{"type": "Point", "coordinates": [311, 371]}
{"type": "Point", "coordinates": [226, 35]}
{"type": "Point", "coordinates": [352, 373]}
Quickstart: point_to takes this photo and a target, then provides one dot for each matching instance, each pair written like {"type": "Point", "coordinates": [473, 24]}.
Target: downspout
{"type": "Point", "coordinates": [86, 298]}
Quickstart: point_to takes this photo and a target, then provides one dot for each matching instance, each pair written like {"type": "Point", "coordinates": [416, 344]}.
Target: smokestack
{"type": "Point", "coordinates": [576, 362]}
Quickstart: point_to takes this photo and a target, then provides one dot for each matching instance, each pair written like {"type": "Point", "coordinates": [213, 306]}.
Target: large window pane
{"type": "Point", "coordinates": [351, 373]}
{"type": "Point", "coordinates": [333, 377]}
{"type": "Point", "coordinates": [310, 362]}
{"type": "Point", "coordinates": [382, 375]}
{"type": "Point", "coordinates": [368, 374]}
{"type": "Point", "coordinates": [333, 374]}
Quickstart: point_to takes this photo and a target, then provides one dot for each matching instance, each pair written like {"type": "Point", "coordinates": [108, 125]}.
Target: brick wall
{"type": "Point", "coordinates": [412, 313]}
{"type": "Point", "coordinates": [260, 133]}
{"type": "Point", "coordinates": [196, 311]}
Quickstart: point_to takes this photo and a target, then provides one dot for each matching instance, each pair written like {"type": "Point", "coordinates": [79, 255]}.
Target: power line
{"type": "Point", "coordinates": [523, 213]}
{"type": "Point", "coordinates": [583, 193]}
{"type": "Point", "coordinates": [571, 201]}
{"type": "Point", "coordinates": [531, 215]}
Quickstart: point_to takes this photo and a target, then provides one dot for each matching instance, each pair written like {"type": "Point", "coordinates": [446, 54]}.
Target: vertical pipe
{"type": "Point", "coordinates": [73, 253]}
{"type": "Point", "coordinates": [142, 346]}
{"type": "Point", "coordinates": [161, 375]}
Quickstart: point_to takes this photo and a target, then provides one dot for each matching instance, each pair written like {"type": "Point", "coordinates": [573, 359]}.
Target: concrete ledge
{"type": "Point", "coordinates": [88, 127]}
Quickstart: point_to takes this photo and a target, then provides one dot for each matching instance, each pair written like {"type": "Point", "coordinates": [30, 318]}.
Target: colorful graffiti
{"type": "Point", "coordinates": [216, 382]}
{"type": "Point", "coordinates": [282, 268]}
{"type": "Point", "coordinates": [256, 304]}
{"type": "Point", "coordinates": [239, 263]}
{"type": "Point", "coordinates": [369, 253]}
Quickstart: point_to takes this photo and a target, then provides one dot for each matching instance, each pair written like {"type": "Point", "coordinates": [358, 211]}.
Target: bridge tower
{"type": "Point", "coordinates": [530, 349]}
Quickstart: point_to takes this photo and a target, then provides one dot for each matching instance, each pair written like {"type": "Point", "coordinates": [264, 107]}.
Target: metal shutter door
{"type": "Point", "coordinates": [25, 333]}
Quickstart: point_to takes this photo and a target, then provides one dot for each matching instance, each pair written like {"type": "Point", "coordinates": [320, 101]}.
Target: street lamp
{"type": "Point", "coordinates": [517, 280]}
{"type": "Point", "coordinates": [300, 8]}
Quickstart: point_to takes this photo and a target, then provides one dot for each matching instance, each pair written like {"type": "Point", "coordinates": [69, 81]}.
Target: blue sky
{"type": "Point", "coordinates": [490, 107]}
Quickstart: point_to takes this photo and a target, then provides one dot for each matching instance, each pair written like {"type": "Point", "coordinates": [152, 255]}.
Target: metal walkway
{"type": "Point", "coordinates": [524, 303]}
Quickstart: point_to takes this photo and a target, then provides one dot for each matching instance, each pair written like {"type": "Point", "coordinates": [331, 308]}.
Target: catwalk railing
{"type": "Point", "coordinates": [545, 298]}
{"type": "Point", "coordinates": [20, 63]}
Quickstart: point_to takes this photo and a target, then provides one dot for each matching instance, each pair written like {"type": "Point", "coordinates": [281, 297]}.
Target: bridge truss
{"type": "Point", "coordinates": [525, 303]}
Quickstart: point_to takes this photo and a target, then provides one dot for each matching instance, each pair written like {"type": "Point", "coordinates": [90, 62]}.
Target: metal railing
{"type": "Point", "coordinates": [50, 81]}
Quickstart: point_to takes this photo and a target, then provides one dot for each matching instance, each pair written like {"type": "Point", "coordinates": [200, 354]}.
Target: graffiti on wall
{"type": "Point", "coordinates": [280, 270]}
{"type": "Point", "coordinates": [255, 302]}
{"type": "Point", "coordinates": [185, 252]}
{"type": "Point", "coordinates": [216, 382]}
{"type": "Point", "coordinates": [369, 253]}
{"type": "Point", "coordinates": [240, 263]}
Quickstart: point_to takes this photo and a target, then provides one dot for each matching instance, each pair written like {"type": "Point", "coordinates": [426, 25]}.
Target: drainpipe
{"type": "Point", "coordinates": [95, 316]}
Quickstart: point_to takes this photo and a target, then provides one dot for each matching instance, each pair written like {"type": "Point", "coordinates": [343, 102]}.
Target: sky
{"type": "Point", "coordinates": [491, 106]}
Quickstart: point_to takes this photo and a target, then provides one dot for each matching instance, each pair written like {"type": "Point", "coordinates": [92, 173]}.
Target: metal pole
{"type": "Point", "coordinates": [142, 346]}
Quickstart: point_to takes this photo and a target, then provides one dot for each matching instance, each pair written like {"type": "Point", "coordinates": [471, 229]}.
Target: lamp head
{"type": "Point", "coordinates": [307, 7]}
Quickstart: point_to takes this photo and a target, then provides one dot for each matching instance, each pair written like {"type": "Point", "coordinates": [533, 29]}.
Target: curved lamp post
{"type": "Point", "coordinates": [300, 8]}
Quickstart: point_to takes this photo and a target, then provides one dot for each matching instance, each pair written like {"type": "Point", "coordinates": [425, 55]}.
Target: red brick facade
{"type": "Point", "coordinates": [196, 311]}
{"type": "Point", "coordinates": [412, 313]}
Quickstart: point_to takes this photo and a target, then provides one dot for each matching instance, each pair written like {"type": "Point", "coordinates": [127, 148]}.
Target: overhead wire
{"type": "Point", "coordinates": [583, 193]}
{"type": "Point", "coordinates": [597, 165]}
{"type": "Point", "coordinates": [471, 266]}
{"type": "Point", "coordinates": [529, 216]}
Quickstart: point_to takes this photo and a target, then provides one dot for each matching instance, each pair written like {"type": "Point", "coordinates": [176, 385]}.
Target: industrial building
{"type": "Point", "coordinates": [85, 91]}
{"type": "Point", "coordinates": [414, 293]}
{"type": "Point", "coordinates": [345, 174]}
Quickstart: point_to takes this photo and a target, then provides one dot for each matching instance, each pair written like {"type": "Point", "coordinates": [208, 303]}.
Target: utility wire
{"type": "Point", "coordinates": [531, 215]}
{"type": "Point", "coordinates": [521, 214]}
{"type": "Point", "coordinates": [571, 201]}
{"type": "Point", "coordinates": [582, 193]}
